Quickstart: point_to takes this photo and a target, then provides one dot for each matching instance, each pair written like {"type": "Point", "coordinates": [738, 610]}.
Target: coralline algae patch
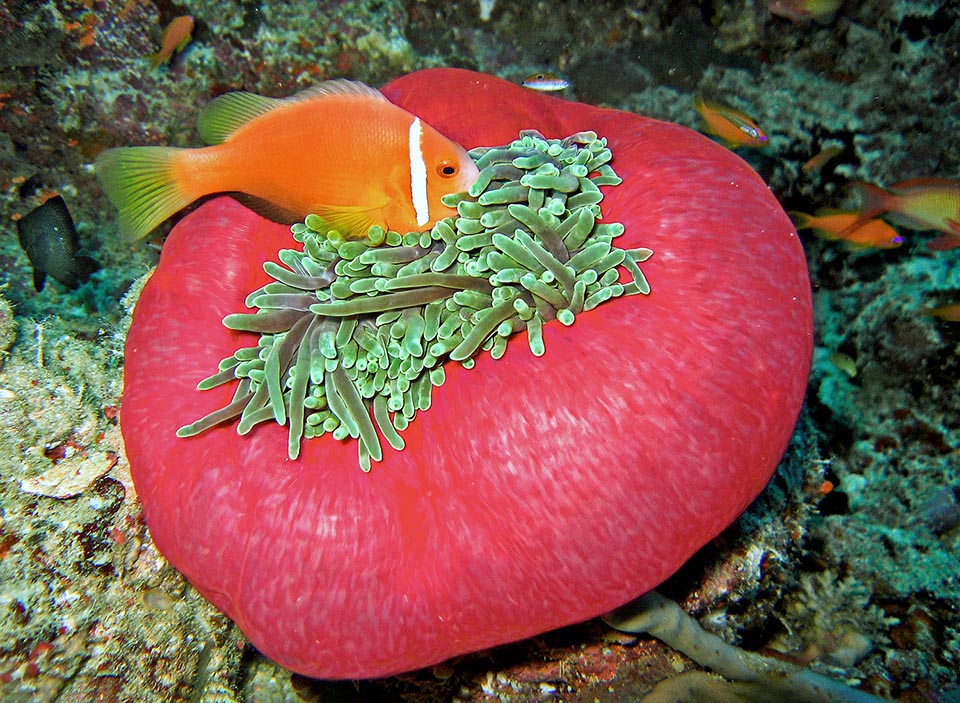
{"type": "Point", "coordinates": [347, 327]}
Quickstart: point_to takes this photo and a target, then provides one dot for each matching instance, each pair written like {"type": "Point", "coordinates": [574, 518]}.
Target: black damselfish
{"type": "Point", "coordinates": [50, 239]}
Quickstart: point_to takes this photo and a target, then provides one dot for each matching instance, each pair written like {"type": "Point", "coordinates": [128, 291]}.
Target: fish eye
{"type": "Point", "coordinates": [447, 169]}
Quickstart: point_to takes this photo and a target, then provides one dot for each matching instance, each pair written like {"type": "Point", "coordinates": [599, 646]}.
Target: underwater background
{"type": "Point", "coordinates": [851, 558]}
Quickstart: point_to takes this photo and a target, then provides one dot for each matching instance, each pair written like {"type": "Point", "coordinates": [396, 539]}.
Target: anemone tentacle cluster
{"type": "Point", "coordinates": [354, 334]}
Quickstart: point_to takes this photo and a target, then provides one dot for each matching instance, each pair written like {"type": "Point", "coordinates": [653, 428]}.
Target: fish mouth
{"type": "Point", "coordinates": [469, 175]}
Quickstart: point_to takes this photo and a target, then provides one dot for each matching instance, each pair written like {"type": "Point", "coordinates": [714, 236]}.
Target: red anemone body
{"type": "Point", "coordinates": [536, 492]}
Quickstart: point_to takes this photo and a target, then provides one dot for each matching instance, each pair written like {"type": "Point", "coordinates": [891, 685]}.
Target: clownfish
{"type": "Point", "coordinates": [339, 150]}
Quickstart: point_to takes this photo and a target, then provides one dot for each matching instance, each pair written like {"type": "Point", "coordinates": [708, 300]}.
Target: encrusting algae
{"type": "Point", "coordinates": [353, 326]}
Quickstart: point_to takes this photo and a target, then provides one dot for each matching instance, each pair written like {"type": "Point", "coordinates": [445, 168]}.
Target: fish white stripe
{"type": "Point", "coordinates": [418, 174]}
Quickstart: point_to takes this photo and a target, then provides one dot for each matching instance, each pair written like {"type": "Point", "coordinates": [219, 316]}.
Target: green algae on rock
{"type": "Point", "coordinates": [350, 327]}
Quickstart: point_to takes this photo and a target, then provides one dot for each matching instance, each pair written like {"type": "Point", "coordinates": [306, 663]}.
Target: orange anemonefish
{"type": "Point", "coordinates": [339, 150]}
{"type": "Point", "coordinates": [732, 126]}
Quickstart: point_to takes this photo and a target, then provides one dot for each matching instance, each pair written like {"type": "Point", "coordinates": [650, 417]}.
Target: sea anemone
{"type": "Point", "coordinates": [537, 490]}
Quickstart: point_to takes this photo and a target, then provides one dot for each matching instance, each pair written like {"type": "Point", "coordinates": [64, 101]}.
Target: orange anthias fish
{"type": "Point", "coordinates": [804, 10]}
{"type": "Point", "coordinates": [174, 37]}
{"type": "Point", "coordinates": [920, 203]}
{"type": "Point", "coordinates": [845, 225]}
{"type": "Point", "coordinates": [816, 162]}
{"type": "Point", "coordinates": [732, 126]}
{"type": "Point", "coordinates": [948, 313]}
{"type": "Point", "coordinates": [339, 150]}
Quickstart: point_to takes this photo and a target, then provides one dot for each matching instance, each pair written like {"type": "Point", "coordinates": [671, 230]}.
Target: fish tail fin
{"type": "Point", "coordinates": [86, 266]}
{"type": "Point", "coordinates": [141, 183]}
{"type": "Point", "coordinates": [801, 220]}
{"type": "Point", "coordinates": [944, 242]}
{"type": "Point", "coordinates": [874, 200]}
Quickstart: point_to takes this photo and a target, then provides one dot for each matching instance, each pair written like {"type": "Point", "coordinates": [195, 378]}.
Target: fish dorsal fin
{"type": "Point", "coordinates": [337, 87]}
{"type": "Point", "coordinates": [929, 181]}
{"type": "Point", "coordinates": [224, 115]}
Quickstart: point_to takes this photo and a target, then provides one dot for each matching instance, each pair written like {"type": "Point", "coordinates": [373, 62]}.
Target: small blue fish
{"type": "Point", "coordinates": [545, 82]}
{"type": "Point", "coordinates": [50, 239]}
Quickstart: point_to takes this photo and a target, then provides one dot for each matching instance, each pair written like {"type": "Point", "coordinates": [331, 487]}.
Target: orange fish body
{"type": "Point", "coordinates": [948, 313]}
{"type": "Point", "coordinates": [733, 127]}
{"type": "Point", "coordinates": [816, 162]}
{"type": "Point", "coordinates": [174, 37]}
{"type": "Point", "coordinates": [339, 150]}
{"type": "Point", "coordinates": [846, 226]}
{"type": "Point", "coordinates": [804, 10]}
{"type": "Point", "coordinates": [920, 203]}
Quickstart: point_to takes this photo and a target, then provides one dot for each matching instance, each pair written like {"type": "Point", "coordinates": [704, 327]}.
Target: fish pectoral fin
{"type": "Point", "coordinates": [351, 222]}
